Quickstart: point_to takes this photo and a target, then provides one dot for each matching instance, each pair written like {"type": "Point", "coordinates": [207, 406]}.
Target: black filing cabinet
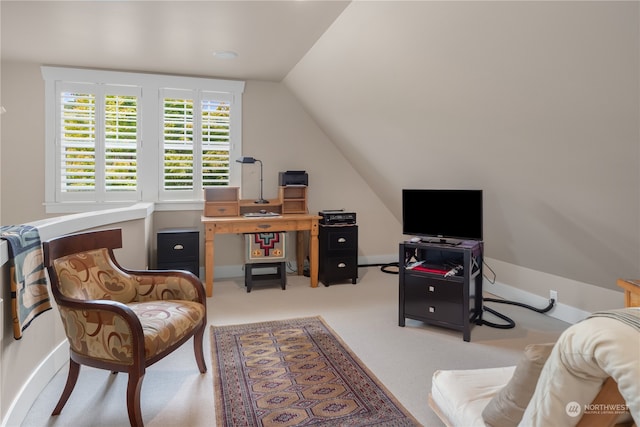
{"type": "Point", "coordinates": [178, 249]}
{"type": "Point", "coordinates": [338, 253]}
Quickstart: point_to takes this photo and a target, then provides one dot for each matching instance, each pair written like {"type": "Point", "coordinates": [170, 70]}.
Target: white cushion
{"type": "Point", "coordinates": [461, 395]}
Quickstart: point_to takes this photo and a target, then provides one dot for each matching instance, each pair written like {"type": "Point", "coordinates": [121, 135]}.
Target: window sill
{"type": "Point", "coordinates": [83, 207]}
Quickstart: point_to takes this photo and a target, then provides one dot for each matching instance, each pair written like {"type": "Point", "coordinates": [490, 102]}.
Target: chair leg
{"type": "Point", "coordinates": [134, 385]}
{"type": "Point", "coordinates": [283, 275]}
{"type": "Point", "coordinates": [198, 350]}
{"type": "Point", "coordinates": [72, 378]}
{"type": "Point", "coordinates": [248, 276]}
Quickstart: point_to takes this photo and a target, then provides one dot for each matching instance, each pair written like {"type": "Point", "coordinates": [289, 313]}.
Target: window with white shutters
{"type": "Point", "coordinates": [115, 137]}
{"type": "Point", "coordinates": [98, 142]}
{"type": "Point", "coordinates": [196, 142]}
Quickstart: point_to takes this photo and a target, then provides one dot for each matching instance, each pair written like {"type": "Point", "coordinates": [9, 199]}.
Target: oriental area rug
{"type": "Point", "coordinates": [295, 372]}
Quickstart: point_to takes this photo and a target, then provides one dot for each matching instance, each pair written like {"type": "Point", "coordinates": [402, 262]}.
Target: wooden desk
{"type": "Point", "coordinates": [631, 292]}
{"type": "Point", "coordinates": [241, 225]}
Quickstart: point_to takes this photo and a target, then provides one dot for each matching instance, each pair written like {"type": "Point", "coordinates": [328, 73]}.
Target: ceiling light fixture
{"type": "Point", "coordinates": [225, 54]}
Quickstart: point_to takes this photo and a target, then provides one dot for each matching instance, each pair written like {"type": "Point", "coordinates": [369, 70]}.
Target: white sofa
{"type": "Point", "coordinates": [590, 376]}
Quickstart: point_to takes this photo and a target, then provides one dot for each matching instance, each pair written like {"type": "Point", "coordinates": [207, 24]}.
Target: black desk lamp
{"type": "Point", "coordinates": [261, 200]}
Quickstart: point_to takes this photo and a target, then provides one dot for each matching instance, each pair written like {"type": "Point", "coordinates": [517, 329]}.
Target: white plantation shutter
{"type": "Point", "coordinates": [215, 132]}
{"type": "Point", "coordinates": [98, 142]}
{"type": "Point", "coordinates": [121, 143]}
{"type": "Point", "coordinates": [178, 143]}
{"type": "Point", "coordinates": [196, 135]}
{"type": "Point", "coordinates": [77, 141]}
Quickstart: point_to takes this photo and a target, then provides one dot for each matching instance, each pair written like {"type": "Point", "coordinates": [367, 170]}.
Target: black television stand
{"type": "Point", "coordinates": [434, 291]}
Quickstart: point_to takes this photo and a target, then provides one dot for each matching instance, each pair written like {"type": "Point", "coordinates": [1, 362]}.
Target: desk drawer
{"type": "Point", "coordinates": [221, 209]}
{"type": "Point", "coordinates": [256, 226]}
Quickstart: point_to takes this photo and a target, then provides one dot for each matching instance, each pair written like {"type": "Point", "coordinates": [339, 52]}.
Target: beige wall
{"type": "Point", "coordinates": [22, 162]}
{"type": "Point", "coordinates": [276, 129]}
{"type": "Point", "coordinates": [536, 103]}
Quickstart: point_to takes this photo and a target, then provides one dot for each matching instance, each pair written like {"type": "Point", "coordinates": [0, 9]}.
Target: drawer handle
{"type": "Point", "coordinates": [178, 247]}
{"type": "Point", "coordinates": [265, 226]}
{"type": "Point", "coordinates": [432, 309]}
{"type": "Point", "coordinates": [341, 240]}
{"type": "Point", "coordinates": [431, 289]}
{"type": "Point", "coordinates": [342, 265]}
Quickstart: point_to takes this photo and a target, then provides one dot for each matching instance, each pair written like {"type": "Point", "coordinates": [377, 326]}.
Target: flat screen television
{"type": "Point", "coordinates": [445, 216]}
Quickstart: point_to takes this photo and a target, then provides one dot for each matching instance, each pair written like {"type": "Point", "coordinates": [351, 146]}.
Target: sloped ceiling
{"type": "Point", "coordinates": [536, 103]}
{"type": "Point", "coordinates": [172, 37]}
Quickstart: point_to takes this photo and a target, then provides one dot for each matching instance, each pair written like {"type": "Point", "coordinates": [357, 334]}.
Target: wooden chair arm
{"type": "Point", "coordinates": [92, 312]}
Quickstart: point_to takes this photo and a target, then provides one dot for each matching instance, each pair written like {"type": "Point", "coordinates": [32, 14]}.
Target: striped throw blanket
{"type": "Point", "coordinates": [630, 316]}
{"type": "Point", "coordinates": [29, 294]}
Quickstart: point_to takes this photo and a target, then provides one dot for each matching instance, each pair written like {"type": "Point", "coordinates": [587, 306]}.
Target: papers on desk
{"type": "Point", "coordinates": [261, 214]}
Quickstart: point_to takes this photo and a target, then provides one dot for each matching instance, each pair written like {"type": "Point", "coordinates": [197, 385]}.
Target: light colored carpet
{"type": "Point", "coordinates": [364, 315]}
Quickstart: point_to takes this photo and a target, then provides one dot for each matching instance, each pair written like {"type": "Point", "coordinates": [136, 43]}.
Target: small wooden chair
{"type": "Point", "coordinates": [117, 319]}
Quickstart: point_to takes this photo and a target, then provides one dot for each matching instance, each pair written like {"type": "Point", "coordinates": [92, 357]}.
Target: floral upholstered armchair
{"type": "Point", "coordinates": [117, 319]}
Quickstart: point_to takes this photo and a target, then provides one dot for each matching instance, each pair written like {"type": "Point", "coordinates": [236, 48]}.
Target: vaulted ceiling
{"type": "Point", "coordinates": [177, 37]}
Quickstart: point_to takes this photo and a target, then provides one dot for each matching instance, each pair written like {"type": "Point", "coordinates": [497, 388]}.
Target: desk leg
{"type": "Point", "coordinates": [300, 252]}
{"type": "Point", "coordinates": [208, 261]}
{"type": "Point", "coordinates": [313, 254]}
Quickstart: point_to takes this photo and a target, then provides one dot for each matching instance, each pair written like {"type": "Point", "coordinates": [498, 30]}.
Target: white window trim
{"type": "Point", "coordinates": [150, 178]}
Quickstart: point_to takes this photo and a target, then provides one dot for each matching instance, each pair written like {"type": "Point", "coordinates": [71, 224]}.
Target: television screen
{"type": "Point", "coordinates": [442, 214]}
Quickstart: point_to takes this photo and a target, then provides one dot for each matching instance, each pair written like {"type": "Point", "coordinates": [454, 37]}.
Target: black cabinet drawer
{"type": "Point", "coordinates": [340, 267]}
{"type": "Point", "coordinates": [176, 246]}
{"type": "Point", "coordinates": [440, 311]}
{"type": "Point", "coordinates": [340, 238]}
{"type": "Point", "coordinates": [433, 289]}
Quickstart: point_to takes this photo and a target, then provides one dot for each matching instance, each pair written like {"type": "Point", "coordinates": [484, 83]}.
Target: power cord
{"type": "Point", "coordinates": [389, 268]}
{"type": "Point", "coordinates": [510, 323]}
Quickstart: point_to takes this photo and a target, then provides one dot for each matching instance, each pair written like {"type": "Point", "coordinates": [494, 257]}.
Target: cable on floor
{"type": "Point", "coordinates": [510, 323]}
{"type": "Point", "coordinates": [390, 268]}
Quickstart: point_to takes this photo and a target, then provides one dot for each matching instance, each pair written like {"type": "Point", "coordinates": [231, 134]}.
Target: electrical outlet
{"type": "Point", "coordinates": [553, 295]}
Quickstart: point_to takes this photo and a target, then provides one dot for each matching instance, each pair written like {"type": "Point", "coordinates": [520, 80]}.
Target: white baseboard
{"type": "Point", "coordinates": [560, 311]}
